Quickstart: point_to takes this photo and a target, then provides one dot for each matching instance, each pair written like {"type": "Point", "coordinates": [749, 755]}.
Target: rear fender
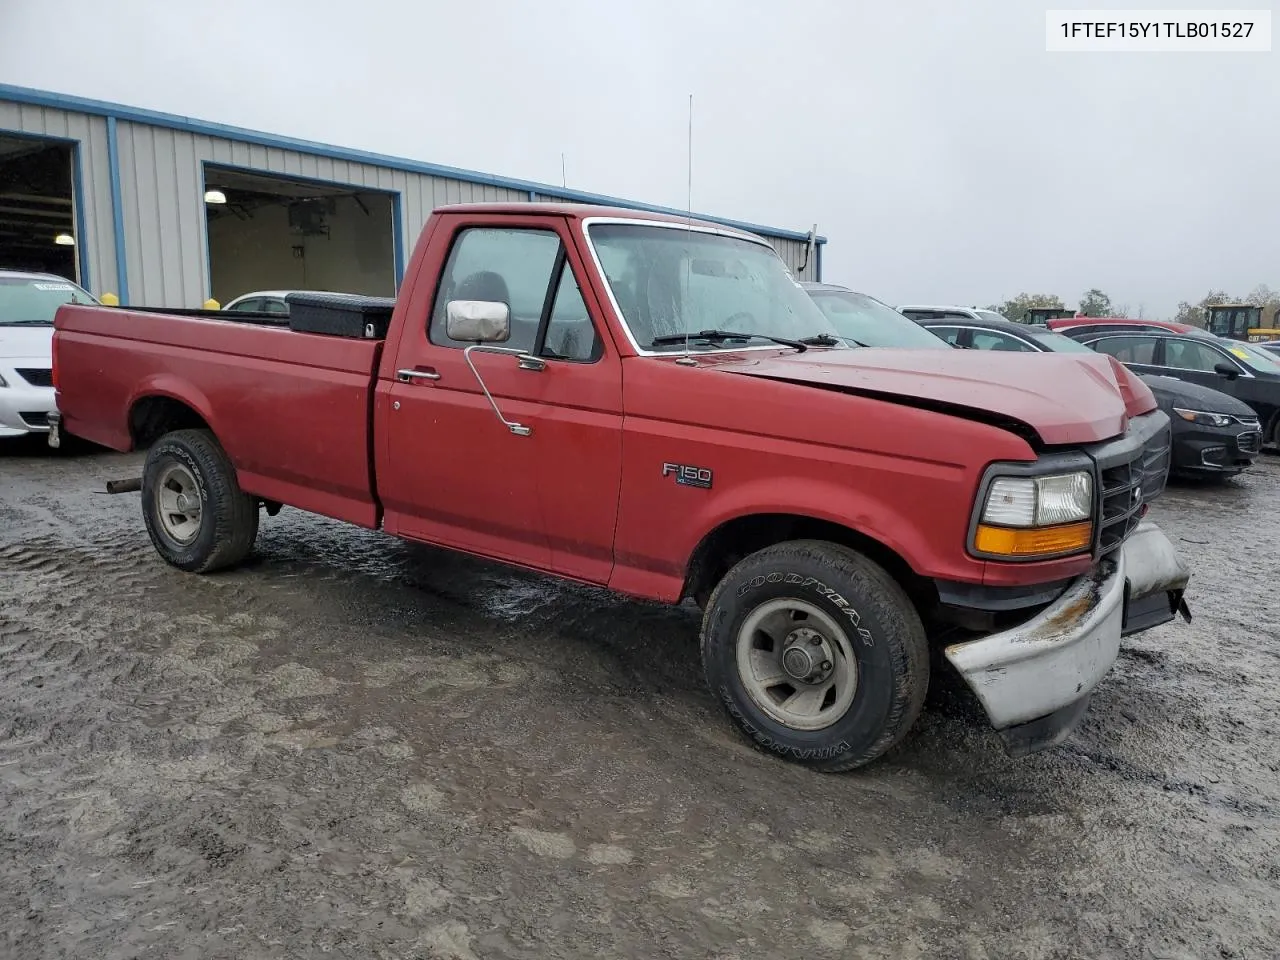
{"type": "Point", "coordinates": [173, 388]}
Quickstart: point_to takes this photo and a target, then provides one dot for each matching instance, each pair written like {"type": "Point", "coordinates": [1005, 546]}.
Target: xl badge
{"type": "Point", "coordinates": [688, 476]}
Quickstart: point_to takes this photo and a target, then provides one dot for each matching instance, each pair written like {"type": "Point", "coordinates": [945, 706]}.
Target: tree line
{"type": "Point", "coordinates": [1095, 303]}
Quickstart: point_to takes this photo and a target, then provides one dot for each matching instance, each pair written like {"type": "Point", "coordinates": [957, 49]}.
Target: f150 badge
{"type": "Point", "coordinates": [688, 476]}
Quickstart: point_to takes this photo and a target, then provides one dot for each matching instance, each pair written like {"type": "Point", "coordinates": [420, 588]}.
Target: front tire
{"type": "Point", "coordinates": [198, 518]}
{"type": "Point", "coordinates": [817, 653]}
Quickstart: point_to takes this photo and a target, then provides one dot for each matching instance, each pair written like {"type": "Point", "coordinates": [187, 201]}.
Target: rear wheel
{"type": "Point", "coordinates": [817, 653]}
{"type": "Point", "coordinates": [196, 515]}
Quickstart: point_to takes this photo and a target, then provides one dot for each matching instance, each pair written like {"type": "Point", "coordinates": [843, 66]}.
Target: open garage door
{"type": "Point", "coordinates": [37, 207]}
{"type": "Point", "coordinates": [271, 233]}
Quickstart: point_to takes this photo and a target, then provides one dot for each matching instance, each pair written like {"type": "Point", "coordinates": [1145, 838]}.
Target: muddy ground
{"type": "Point", "coordinates": [358, 748]}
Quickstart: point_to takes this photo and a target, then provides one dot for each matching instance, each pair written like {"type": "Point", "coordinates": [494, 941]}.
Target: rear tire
{"type": "Point", "coordinates": [198, 518]}
{"type": "Point", "coordinates": [817, 653]}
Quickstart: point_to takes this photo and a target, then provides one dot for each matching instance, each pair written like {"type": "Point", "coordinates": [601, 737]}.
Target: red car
{"type": "Point", "coordinates": [655, 406]}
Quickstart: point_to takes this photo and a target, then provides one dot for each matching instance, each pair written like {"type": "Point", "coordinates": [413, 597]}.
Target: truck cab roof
{"type": "Point", "coordinates": [589, 211]}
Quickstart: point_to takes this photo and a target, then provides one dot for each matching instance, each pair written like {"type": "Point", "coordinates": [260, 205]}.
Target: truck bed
{"type": "Point", "coordinates": [293, 410]}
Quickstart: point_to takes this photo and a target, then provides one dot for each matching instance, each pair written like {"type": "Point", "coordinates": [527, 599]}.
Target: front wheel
{"type": "Point", "coordinates": [817, 654]}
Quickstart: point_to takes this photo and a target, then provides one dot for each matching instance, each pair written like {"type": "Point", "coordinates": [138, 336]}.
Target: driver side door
{"type": "Point", "coordinates": [457, 474]}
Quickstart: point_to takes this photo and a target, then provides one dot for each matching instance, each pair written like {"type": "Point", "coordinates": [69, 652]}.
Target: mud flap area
{"type": "Point", "coordinates": [1033, 736]}
{"type": "Point", "coordinates": [1155, 581]}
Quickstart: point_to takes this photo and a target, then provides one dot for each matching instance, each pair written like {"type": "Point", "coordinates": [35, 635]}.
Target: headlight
{"type": "Point", "coordinates": [1027, 517]}
{"type": "Point", "coordinates": [1202, 418]}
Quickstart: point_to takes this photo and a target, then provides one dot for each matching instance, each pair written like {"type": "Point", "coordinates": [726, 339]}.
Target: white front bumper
{"type": "Point", "coordinates": [1057, 658]}
{"type": "Point", "coordinates": [19, 398]}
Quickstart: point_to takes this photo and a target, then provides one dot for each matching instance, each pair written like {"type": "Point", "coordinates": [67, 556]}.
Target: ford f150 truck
{"type": "Point", "coordinates": [656, 406]}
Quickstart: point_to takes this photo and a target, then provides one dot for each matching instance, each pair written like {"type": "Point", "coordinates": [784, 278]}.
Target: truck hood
{"type": "Point", "coordinates": [26, 343]}
{"type": "Point", "coordinates": [1055, 398]}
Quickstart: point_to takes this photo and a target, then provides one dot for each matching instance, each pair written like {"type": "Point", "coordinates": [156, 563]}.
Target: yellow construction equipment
{"type": "Point", "coordinates": [1240, 321]}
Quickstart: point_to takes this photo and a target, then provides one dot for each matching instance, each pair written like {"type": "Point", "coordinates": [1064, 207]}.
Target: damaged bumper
{"type": "Point", "coordinates": [1035, 680]}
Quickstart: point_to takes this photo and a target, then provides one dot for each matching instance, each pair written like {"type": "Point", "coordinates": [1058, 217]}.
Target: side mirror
{"type": "Point", "coordinates": [477, 321]}
{"type": "Point", "coordinates": [1226, 370]}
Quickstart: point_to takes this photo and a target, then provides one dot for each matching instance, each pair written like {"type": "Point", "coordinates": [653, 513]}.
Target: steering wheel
{"type": "Point", "coordinates": [747, 315]}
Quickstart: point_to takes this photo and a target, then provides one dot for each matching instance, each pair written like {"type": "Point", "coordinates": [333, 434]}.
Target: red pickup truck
{"type": "Point", "coordinates": [655, 405]}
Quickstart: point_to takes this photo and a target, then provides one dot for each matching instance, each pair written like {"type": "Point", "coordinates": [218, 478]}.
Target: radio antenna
{"type": "Point", "coordinates": [564, 182]}
{"type": "Point", "coordinates": [687, 360]}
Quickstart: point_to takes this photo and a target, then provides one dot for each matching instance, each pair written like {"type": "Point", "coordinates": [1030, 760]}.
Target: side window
{"type": "Point", "coordinates": [570, 333]}
{"type": "Point", "coordinates": [949, 334]}
{"type": "Point", "coordinates": [511, 266]}
{"type": "Point", "coordinates": [1128, 349]}
{"type": "Point", "coordinates": [252, 305]}
{"type": "Point", "coordinates": [990, 340]}
{"type": "Point", "coordinates": [1189, 355]}
{"type": "Point", "coordinates": [272, 305]}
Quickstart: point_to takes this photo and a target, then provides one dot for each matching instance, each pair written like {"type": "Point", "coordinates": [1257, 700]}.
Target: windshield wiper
{"type": "Point", "coordinates": [827, 340]}
{"type": "Point", "coordinates": [721, 336]}
{"type": "Point", "coordinates": [26, 323]}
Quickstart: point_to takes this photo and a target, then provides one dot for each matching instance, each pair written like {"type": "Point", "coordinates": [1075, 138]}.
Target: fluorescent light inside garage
{"type": "Point", "coordinates": [65, 240]}
{"type": "Point", "coordinates": [215, 196]}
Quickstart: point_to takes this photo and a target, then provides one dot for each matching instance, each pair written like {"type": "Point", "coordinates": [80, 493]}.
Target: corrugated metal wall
{"type": "Point", "coordinates": [97, 247]}
{"type": "Point", "coordinates": [162, 187]}
{"type": "Point", "coordinates": [163, 196]}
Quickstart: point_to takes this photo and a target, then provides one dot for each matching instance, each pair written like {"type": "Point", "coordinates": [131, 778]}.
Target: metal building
{"type": "Point", "coordinates": [164, 210]}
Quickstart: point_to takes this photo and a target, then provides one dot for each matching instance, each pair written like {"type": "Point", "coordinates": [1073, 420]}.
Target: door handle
{"type": "Point", "coordinates": [419, 373]}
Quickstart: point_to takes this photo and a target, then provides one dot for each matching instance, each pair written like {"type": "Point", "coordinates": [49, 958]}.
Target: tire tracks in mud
{"type": "Point", "coordinates": [357, 745]}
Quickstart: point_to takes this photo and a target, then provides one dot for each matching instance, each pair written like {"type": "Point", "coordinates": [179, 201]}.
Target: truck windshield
{"type": "Point", "coordinates": [867, 321]}
{"type": "Point", "coordinates": [32, 301]}
{"type": "Point", "coordinates": [669, 281]}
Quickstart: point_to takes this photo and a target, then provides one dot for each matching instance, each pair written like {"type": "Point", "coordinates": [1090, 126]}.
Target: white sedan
{"type": "Point", "coordinates": [261, 301]}
{"type": "Point", "coordinates": [28, 302]}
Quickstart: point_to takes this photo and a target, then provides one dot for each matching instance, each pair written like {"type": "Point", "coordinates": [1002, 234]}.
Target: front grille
{"type": "Point", "coordinates": [1131, 472]}
{"type": "Point", "coordinates": [1120, 504]}
{"type": "Point", "coordinates": [36, 376]}
{"type": "Point", "coordinates": [1250, 442]}
{"type": "Point", "coordinates": [1251, 422]}
{"type": "Point", "coordinates": [34, 419]}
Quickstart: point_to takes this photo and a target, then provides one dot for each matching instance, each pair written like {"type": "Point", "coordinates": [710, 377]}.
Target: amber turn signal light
{"type": "Point", "coordinates": [1035, 541]}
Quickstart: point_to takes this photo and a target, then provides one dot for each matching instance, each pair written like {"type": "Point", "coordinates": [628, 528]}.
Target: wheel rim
{"type": "Point", "coordinates": [178, 503]}
{"type": "Point", "coordinates": [797, 664]}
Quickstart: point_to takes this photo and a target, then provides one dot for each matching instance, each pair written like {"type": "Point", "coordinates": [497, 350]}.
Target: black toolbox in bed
{"type": "Point", "coordinates": [340, 314]}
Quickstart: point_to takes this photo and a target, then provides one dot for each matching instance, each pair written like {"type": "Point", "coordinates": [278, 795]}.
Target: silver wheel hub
{"type": "Point", "coordinates": [796, 663]}
{"type": "Point", "coordinates": [806, 656]}
{"type": "Point", "coordinates": [178, 503]}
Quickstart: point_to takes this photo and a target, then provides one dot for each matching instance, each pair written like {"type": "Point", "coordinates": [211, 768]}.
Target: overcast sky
{"type": "Point", "coordinates": [945, 154]}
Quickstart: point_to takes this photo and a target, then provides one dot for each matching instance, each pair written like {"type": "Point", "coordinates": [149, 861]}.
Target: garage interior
{"type": "Point", "coordinates": [37, 207]}
{"type": "Point", "coordinates": [275, 233]}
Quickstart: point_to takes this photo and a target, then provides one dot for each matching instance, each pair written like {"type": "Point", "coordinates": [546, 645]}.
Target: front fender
{"type": "Point", "coordinates": [813, 498]}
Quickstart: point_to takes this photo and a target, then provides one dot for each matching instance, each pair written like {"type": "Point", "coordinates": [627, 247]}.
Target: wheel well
{"type": "Point", "coordinates": [152, 417]}
{"type": "Point", "coordinates": [738, 538]}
